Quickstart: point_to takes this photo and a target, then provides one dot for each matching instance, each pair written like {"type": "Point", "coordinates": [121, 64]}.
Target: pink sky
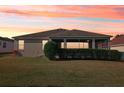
{"type": "Point", "coordinates": [18, 20]}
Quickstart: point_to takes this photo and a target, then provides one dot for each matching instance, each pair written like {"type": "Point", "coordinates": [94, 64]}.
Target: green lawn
{"type": "Point", "coordinates": [20, 71]}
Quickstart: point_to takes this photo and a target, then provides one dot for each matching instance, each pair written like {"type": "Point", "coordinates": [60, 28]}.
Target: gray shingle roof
{"type": "Point", "coordinates": [78, 33]}
{"type": "Point", "coordinates": [60, 33]}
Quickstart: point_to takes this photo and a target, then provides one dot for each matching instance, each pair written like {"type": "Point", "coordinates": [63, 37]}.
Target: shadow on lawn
{"type": "Point", "coordinates": [87, 60]}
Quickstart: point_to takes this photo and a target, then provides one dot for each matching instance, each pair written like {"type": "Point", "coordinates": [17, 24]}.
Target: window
{"type": "Point", "coordinates": [76, 45]}
{"type": "Point", "coordinates": [4, 44]}
{"type": "Point", "coordinates": [21, 44]}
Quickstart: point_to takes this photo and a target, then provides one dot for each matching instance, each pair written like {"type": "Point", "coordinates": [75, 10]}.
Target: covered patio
{"type": "Point", "coordinates": [92, 43]}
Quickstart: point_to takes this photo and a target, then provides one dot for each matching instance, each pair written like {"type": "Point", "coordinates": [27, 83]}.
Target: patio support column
{"type": "Point", "coordinates": [108, 44]}
{"type": "Point", "coordinates": [65, 43]}
{"type": "Point", "coordinates": [16, 44]}
{"type": "Point", "coordinates": [109, 47]}
{"type": "Point", "coordinates": [93, 44]}
{"type": "Point", "coordinates": [50, 39]}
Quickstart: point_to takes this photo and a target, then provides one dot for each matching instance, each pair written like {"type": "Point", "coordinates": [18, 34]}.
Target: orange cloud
{"type": "Point", "coordinates": [66, 11]}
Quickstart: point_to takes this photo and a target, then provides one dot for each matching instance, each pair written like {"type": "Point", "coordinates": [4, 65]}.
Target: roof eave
{"type": "Point", "coordinates": [81, 36]}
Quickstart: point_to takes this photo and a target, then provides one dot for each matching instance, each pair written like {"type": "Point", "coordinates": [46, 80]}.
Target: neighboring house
{"type": "Point", "coordinates": [117, 43]}
{"type": "Point", "coordinates": [33, 43]}
{"type": "Point", "coordinates": [6, 45]}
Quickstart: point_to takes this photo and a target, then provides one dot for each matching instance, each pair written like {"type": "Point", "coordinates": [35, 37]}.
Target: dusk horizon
{"type": "Point", "coordinates": [20, 20]}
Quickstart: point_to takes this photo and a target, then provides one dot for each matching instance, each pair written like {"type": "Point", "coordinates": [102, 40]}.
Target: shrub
{"type": "Point", "coordinates": [115, 55]}
{"type": "Point", "coordinates": [50, 49]}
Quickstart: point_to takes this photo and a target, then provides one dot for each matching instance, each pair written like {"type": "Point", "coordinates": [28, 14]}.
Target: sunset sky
{"type": "Point", "coordinates": [18, 20]}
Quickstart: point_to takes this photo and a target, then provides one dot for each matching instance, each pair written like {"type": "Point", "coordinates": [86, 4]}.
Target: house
{"type": "Point", "coordinates": [6, 45]}
{"type": "Point", "coordinates": [33, 43]}
{"type": "Point", "coordinates": [117, 43]}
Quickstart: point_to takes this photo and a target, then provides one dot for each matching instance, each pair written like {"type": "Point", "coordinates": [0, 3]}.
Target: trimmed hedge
{"type": "Point", "coordinates": [51, 49]}
{"type": "Point", "coordinates": [99, 54]}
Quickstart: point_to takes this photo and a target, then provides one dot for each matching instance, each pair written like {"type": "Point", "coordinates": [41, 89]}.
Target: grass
{"type": "Point", "coordinates": [21, 71]}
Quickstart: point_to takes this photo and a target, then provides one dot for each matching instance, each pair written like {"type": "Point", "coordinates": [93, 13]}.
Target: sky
{"type": "Point", "coordinates": [18, 20]}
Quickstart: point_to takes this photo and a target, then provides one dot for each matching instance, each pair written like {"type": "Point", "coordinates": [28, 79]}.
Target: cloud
{"type": "Point", "coordinates": [111, 12]}
{"type": "Point", "coordinates": [17, 20]}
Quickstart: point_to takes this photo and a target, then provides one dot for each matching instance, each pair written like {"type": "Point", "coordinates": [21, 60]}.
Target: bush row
{"type": "Point", "coordinates": [89, 54]}
{"type": "Point", "coordinates": [52, 51]}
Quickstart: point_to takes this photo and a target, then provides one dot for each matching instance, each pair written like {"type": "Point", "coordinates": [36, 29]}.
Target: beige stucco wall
{"type": "Point", "coordinates": [33, 48]}
{"type": "Point", "coordinates": [119, 48]}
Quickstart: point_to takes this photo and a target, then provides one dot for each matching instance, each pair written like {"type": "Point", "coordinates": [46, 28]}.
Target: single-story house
{"type": "Point", "coordinates": [33, 43]}
{"type": "Point", "coordinates": [117, 43]}
{"type": "Point", "coordinates": [6, 45]}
